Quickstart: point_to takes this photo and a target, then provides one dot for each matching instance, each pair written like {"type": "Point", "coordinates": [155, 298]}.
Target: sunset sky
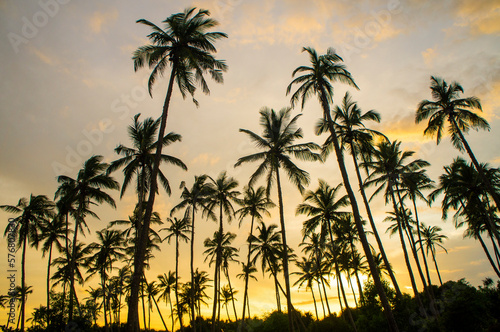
{"type": "Point", "coordinates": [69, 91]}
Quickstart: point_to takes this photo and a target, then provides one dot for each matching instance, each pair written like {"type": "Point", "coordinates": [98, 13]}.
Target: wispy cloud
{"type": "Point", "coordinates": [99, 20]}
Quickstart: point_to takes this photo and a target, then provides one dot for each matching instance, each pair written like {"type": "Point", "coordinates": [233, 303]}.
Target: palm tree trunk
{"type": "Point", "coordinates": [357, 218]}
{"type": "Point", "coordinates": [179, 311]}
{"type": "Point", "coordinates": [326, 297]}
{"type": "Point", "coordinates": [321, 299]}
{"type": "Point", "coordinates": [436, 265]}
{"type": "Point", "coordinates": [104, 300]}
{"type": "Point", "coordinates": [218, 259]}
{"type": "Point", "coordinates": [191, 263]}
{"type": "Point", "coordinates": [338, 294]}
{"type": "Point", "coordinates": [48, 285]}
{"type": "Point", "coordinates": [232, 296]}
{"type": "Point", "coordinates": [140, 252]}
{"type": "Point", "coordinates": [314, 301]}
{"type": "Point", "coordinates": [171, 312]}
{"type": "Point", "coordinates": [485, 248]}
{"type": "Point", "coordinates": [348, 309]}
{"type": "Point", "coordinates": [420, 241]}
{"type": "Point", "coordinates": [245, 295]}
{"type": "Point", "coordinates": [143, 307]}
{"type": "Point", "coordinates": [286, 273]}
{"type": "Point", "coordinates": [374, 228]}
{"type": "Point", "coordinates": [159, 312]}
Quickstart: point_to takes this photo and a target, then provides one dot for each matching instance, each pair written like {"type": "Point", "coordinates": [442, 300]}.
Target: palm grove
{"type": "Point", "coordinates": [335, 245]}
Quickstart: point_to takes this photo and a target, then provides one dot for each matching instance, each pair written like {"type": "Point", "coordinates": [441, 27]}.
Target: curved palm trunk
{"type": "Point", "coordinates": [420, 241]}
{"type": "Point", "coordinates": [232, 296]}
{"type": "Point", "coordinates": [374, 228]}
{"type": "Point", "coordinates": [285, 254]}
{"type": "Point", "coordinates": [348, 309]}
{"type": "Point", "coordinates": [314, 301]}
{"type": "Point", "coordinates": [140, 252]}
{"type": "Point", "coordinates": [485, 248]}
{"type": "Point", "coordinates": [436, 265]}
{"type": "Point", "coordinates": [191, 264]}
{"type": "Point", "coordinates": [357, 218]}
{"type": "Point", "coordinates": [245, 295]}
{"type": "Point", "coordinates": [472, 157]}
{"type": "Point", "coordinates": [321, 299]}
{"type": "Point", "coordinates": [326, 297]}
{"type": "Point", "coordinates": [48, 284]}
{"type": "Point", "coordinates": [159, 312]}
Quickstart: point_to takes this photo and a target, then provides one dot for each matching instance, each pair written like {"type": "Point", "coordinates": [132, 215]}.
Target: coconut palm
{"type": "Point", "coordinates": [307, 276]}
{"type": "Point", "coordinates": [138, 160]}
{"type": "Point", "coordinates": [280, 132]}
{"type": "Point", "coordinates": [178, 229]}
{"type": "Point", "coordinates": [216, 247]}
{"type": "Point", "coordinates": [192, 200]}
{"type": "Point", "coordinates": [107, 250]}
{"type": "Point", "coordinates": [229, 254]}
{"type": "Point", "coordinates": [358, 141]}
{"type": "Point", "coordinates": [226, 296]}
{"type": "Point", "coordinates": [430, 238]}
{"type": "Point", "coordinates": [186, 44]}
{"type": "Point", "coordinates": [247, 273]}
{"type": "Point", "coordinates": [25, 230]}
{"type": "Point", "coordinates": [87, 189]}
{"type": "Point", "coordinates": [317, 80]}
{"type": "Point", "coordinates": [166, 283]}
{"type": "Point", "coordinates": [266, 246]}
{"type": "Point", "coordinates": [458, 112]}
{"type": "Point", "coordinates": [254, 204]}
{"type": "Point", "coordinates": [53, 233]}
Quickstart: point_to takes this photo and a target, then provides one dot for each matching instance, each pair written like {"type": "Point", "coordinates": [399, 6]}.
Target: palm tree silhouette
{"type": "Point", "coordinates": [280, 132]}
{"type": "Point", "coordinates": [430, 238]}
{"type": "Point", "coordinates": [187, 45]}
{"type": "Point", "coordinates": [317, 80]}
{"type": "Point", "coordinates": [24, 229]}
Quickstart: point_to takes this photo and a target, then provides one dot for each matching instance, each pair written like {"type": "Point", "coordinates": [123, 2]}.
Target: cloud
{"type": "Point", "coordinates": [206, 159]}
{"type": "Point", "coordinates": [481, 17]}
{"type": "Point", "coordinates": [429, 55]}
{"type": "Point", "coordinates": [99, 20]}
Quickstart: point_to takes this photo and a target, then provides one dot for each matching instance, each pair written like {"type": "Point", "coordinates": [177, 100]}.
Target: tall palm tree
{"type": "Point", "coordinates": [229, 254]}
{"type": "Point", "coordinates": [317, 80]}
{"type": "Point", "coordinates": [247, 273]}
{"type": "Point", "coordinates": [177, 228]}
{"type": "Point", "coordinates": [226, 296]}
{"type": "Point", "coordinates": [430, 238]}
{"type": "Point", "coordinates": [107, 250]}
{"type": "Point", "coordinates": [280, 132]}
{"type": "Point", "coordinates": [358, 141]}
{"type": "Point", "coordinates": [84, 191]}
{"type": "Point", "coordinates": [192, 200]}
{"type": "Point", "coordinates": [307, 275]}
{"type": "Point", "coordinates": [25, 228]}
{"type": "Point", "coordinates": [166, 283]}
{"type": "Point", "coordinates": [447, 106]}
{"type": "Point", "coordinates": [254, 204]}
{"type": "Point", "coordinates": [186, 44]}
{"type": "Point", "coordinates": [266, 246]}
{"type": "Point", "coordinates": [52, 234]}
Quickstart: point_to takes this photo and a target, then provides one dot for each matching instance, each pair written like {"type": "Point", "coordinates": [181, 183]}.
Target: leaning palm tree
{"type": "Point", "coordinates": [317, 80]}
{"type": "Point", "coordinates": [358, 141]}
{"type": "Point", "coordinates": [166, 283]}
{"type": "Point", "coordinates": [24, 229]}
{"type": "Point", "coordinates": [84, 191]}
{"type": "Point", "coordinates": [255, 204]}
{"type": "Point", "coordinates": [447, 106]}
{"type": "Point", "coordinates": [221, 194]}
{"type": "Point", "coordinates": [430, 238]}
{"type": "Point", "coordinates": [107, 250]}
{"type": "Point", "coordinates": [192, 200]}
{"type": "Point", "coordinates": [280, 132]}
{"type": "Point", "coordinates": [186, 44]}
{"type": "Point", "coordinates": [177, 228]}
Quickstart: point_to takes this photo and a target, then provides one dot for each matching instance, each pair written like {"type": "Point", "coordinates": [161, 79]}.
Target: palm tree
{"type": "Point", "coordinates": [138, 160]}
{"type": "Point", "coordinates": [107, 250]}
{"type": "Point", "coordinates": [228, 255]}
{"type": "Point", "coordinates": [388, 168]}
{"type": "Point", "coordinates": [86, 190]}
{"type": "Point", "coordinates": [307, 276]}
{"type": "Point", "coordinates": [267, 247]}
{"type": "Point", "coordinates": [358, 140]}
{"type": "Point", "coordinates": [460, 116]}
{"type": "Point", "coordinates": [227, 295]}
{"type": "Point", "coordinates": [177, 228]}
{"type": "Point", "coordinates": [193, 199]}
{"type": "Point", "coordinates": [25, 228]}
{"type": "Point", "coordinates": [280, 132]}
{"type": "Point", "coordinates": [187, 45]}
{"type": "Point", "coordinates": [255, 204]}
{"type": "Point", "coordinates": [317, 80]}
{"type": "Point", "coordinates": [247, 273]}
{"type": "Point", "coordinates": [431, 238]}
{"type": "Point", "coordinates": [166, 283]}
{"type": "Point", "coordinates": [52, 234]}
{"type": "Point", "coordinates": [216, 247]}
